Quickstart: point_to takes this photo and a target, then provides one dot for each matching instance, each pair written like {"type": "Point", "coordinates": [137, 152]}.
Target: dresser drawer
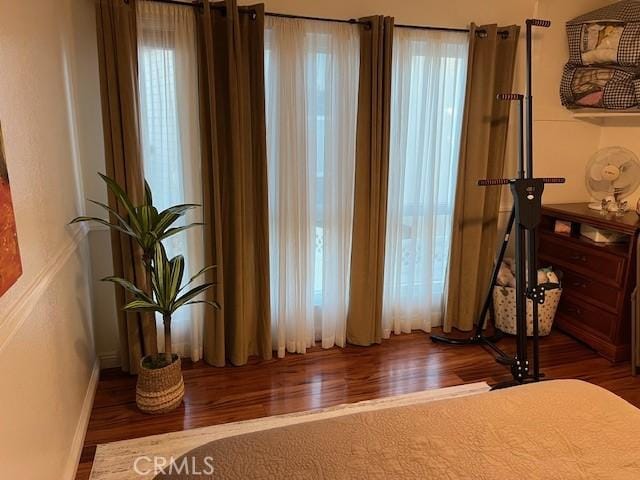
{"type": "Point", "coordinates": [584, 259]}
{"type": "Point", "coordinates": [586, 315]}
{"type": "Point", "coordinates": [598, 279]}
{"type": "Point", "coordinates": [605, 296]}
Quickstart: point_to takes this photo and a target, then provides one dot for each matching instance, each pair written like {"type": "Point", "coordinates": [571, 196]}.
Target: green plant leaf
{"type": "Point", "coordinates": [173, 231]}
{"type": "Point", "coordinates": [148, 196]}
{"type": "Point", "coordinates": [201, 272]}
{"type": "Point", "coordinates": [190, 295]}
{"type": "Point", "coordinates": [123, 198]}
{"type": "Point", "coordinates": [123, 223]}
{"type": "Point", "coordinates": [165, 220]}
{"type": "Point", "coordinates": [100, 221]}
{"type": "Point", "coordinates": [159, 275]}
{"type": "Point", "coordinates": [130, 287]}
{"type": "Point", "coordinates": [175, 276]}
{"type": "Point", "coordinates": [147, 215]}
{"type": "Point", "coordinates": [215, 305]}
{"type": "Point", "coordinates": [168, 217]}
{"type": "Point", "coordinates": [141, 305]}
{"type": "Point", "coordinates": [181, 209]}
{"type": "Point", "coordinates": [155, 288]}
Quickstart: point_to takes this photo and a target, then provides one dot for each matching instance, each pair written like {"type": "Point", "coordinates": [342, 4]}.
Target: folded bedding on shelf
{"type": "Point", "coordinates": [609, 35]}
{"type": "Point", "coordinates": [615, 88]}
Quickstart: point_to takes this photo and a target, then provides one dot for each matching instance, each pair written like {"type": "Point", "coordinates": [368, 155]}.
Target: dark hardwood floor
{"type": "Point", "coordinates": [322, 378]}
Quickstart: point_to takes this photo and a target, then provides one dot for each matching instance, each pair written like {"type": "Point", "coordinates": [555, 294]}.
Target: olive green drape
{"type": "Point", "coordinates": [364, 320]}
{"type": "Point", "coordinates": [117, 50]}
{"type": "Point", "coordinates": [492, 61]}
{"type": "Point", "coordinates": [235, 181]}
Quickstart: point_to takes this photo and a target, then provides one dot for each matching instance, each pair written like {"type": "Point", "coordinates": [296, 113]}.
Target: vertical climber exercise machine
{"type": "Point", "coordinates": [525, 214]}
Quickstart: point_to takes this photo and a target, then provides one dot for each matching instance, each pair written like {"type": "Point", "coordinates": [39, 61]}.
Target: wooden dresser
{"type": "Point", "coordinates": [599, 279]}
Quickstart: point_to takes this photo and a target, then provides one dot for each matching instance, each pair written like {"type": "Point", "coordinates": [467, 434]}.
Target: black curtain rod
{"type": "Point", "coordinates": [480, 32]}
{"type": "Point", "coordinates": [352, 21]}
{"type": "Point", "coordinates": [429, 27]}
{"type": "Point", "coordinates": [197, 3]}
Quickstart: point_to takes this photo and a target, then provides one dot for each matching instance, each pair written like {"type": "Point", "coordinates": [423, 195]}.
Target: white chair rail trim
{"type": "Point", "coordinates": [20, 309]}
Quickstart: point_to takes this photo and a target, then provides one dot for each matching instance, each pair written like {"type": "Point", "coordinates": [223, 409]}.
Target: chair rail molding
{"type": "Point", "coordinates": [20, 309]}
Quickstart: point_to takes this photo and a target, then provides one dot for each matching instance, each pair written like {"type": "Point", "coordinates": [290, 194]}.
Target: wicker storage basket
{"type": "Point", "coordinates": [504, 305]}
{"type": "Point", "coordinates": [160, 390]}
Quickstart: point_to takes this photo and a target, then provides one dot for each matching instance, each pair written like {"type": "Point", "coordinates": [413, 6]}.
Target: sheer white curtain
{"type": "Point", "coordinates": [170, 134]}
{"type": "Point", "coordinates": [429, 75]}
{"type": "Point", "coordinates": [311, 73]}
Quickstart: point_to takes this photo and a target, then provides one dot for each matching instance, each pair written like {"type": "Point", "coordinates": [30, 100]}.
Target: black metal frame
{"type": "Point", "coordinates": [525, 215]}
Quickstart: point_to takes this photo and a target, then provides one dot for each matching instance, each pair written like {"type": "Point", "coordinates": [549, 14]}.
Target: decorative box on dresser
{"type": "Point", "coordinates": [597, 305]}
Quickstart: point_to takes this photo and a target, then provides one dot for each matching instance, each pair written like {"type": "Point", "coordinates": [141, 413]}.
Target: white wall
{"type": "Point", "coordinates": [563, 145]}
{"type": "Point", "coordinates": [47, 359]}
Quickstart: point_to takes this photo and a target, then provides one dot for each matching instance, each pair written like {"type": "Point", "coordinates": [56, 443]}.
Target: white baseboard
{"type": "Point", "coordinates": [83, 422]}
{"type": "Point", "coordinates": [109, 360]}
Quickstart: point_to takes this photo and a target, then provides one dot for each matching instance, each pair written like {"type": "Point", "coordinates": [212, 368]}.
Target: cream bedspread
{"type": "Point", "coordinates": [563, 429]}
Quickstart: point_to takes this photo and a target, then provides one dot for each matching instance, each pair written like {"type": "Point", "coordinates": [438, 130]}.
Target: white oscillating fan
{"type": "Point", "coordinates": [613, 174]}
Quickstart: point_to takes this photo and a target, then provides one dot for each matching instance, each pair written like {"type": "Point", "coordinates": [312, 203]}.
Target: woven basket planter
{"type": "Point", "coordinates": [160, 390]}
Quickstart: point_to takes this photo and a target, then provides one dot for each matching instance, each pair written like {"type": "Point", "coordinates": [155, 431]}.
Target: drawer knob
{"type": "Point", "coordinates": [577, 256]}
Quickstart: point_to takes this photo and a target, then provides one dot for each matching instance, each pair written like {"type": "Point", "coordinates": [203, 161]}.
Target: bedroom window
{"type": "Point", "coordinates": [170, 139]}
{"type": "Point", "coordinates": [311, 100]}
{"type": "Point", "coordinates": [311, 76]}
{"type": "Point", "coordinates": [428, 91]}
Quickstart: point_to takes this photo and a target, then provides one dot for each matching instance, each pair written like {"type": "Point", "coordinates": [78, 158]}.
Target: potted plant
{"type": "Point", "coordinates": [160, 386]}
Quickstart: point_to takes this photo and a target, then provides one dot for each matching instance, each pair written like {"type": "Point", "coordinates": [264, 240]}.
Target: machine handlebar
{"type": "Point", "coordinates": [487, 182]}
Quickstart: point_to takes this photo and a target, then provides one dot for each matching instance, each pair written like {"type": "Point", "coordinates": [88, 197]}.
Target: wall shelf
{"type": "Point", "coordinates": [608, 117]}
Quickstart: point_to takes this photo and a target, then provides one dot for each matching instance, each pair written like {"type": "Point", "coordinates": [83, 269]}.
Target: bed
{"type": "Point", "coordinates": [562, 429]}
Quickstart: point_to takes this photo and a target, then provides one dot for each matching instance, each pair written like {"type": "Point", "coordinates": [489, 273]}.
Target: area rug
{"type": "Point", "coordinates": [143, 458]}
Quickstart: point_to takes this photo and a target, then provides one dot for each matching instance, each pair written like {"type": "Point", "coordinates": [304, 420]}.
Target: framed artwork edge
{"type": "Point", "coordinates": [10, 260]}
